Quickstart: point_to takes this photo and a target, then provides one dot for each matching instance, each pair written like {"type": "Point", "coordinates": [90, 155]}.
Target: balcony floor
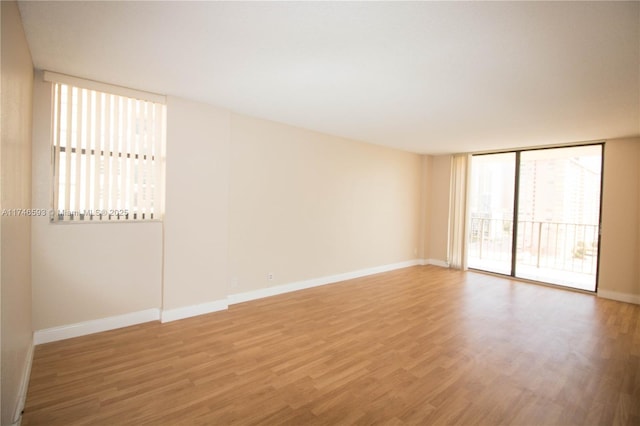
{"type": "Point", "coordinates": [578, 280]}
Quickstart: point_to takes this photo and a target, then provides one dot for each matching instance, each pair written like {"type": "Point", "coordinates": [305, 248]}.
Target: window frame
{"type": "Point", "coordinates": [99, 155]}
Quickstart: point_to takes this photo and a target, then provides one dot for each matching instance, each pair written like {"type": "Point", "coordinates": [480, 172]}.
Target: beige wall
{"type": "Point", "coordinates": [439, 190]}
{"type": "Point", "coordinates": [16, 88]}
{"type": "Point", "coordinates": [425, 207]}
{"type": "Point", "coordinates": [196, 220]}
{"type": "Point", "coordinates": [620, 241]}
{"type": "Point", "coordinates": [306, 205]}
{"type": "Point", "coordinates": [85, 271]}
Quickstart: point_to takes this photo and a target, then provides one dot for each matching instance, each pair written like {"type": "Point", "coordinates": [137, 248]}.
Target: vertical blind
{"type": "Point", "coordinates": [108, 155]}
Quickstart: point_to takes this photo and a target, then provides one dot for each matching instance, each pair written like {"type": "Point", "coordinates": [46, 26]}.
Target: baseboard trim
{"type": "Point", "coordinates": [315, 282]}
{"type": "Point", "coordinates": [169, 315]}
{"type": "Point", "coordinates": [94, 326]}
{"type": "Point", "coordinates": [436, 262]}
{"type": "Point", "coordinates": [620, 297]}
{"type": "Point", "coordinates": [24, 384]}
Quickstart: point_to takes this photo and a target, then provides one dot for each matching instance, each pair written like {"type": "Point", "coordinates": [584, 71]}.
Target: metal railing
{"type": "Point", "coordinates": [560, 246]}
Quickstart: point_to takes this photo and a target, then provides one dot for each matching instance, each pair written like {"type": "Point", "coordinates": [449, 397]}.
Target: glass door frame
{"type": "Point", "coordinates": [516, 207]}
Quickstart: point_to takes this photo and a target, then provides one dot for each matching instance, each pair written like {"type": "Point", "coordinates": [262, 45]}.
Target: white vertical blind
{"type": "Point", "coordinates": [97, 154]}
{"type": "Point", "coordinates": [67, 147]}
{"type": "Point", "coordinates": [143, 160]}
{"type": "Point", "coordinates": [122, 159]}
{"type": "Point", "coordinates": [56, 147]}
{"type": "Point", "coordinates": [157, 153]}
{"type": "Point", "coordinates": [88, 136]}
{"type": "Point", "coordinates": [131, 150]}
{"type": "Point", "coordinates": [106, 187]}
{"type": "Point", "coordinates": [78, 150]}
{"type": "Point", "coordinates": [107, 152]}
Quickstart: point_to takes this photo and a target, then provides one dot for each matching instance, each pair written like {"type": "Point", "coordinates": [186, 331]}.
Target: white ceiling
{"type": "Point", "coordinates": [424, 77]}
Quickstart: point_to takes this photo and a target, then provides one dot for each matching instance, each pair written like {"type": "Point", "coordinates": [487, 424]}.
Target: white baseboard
{"type": "Point", "coordinates": [620, 297]}
{"type": "Point", "coordinates": [167, 315]}
{"type": "Point", "coordinates": [435, 262]}
{"type": "Point", "coordinates": [94, 326]}
{"type": "Point", "coordinates": [315, 282]}
{"type": "Point", "coordinates": [22, 391]}
{"type": "Point", "coordinates": [193, 310]}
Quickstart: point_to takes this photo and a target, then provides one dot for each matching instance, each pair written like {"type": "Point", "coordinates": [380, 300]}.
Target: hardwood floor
{"type": "Point", "coordinates": [422, 345]}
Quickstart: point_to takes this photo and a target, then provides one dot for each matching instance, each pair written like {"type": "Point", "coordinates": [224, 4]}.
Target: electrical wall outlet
{"type": "Point", "coordinates": [270, 276]}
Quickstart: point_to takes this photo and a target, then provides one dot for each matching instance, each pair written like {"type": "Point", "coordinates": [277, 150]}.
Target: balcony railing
{"type": "Point", "coordinates": [559, 246]}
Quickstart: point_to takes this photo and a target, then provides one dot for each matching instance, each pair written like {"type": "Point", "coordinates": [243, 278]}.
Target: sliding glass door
{"type": "Point", "coordinates": [555, 236]}
{"type": "Point", "coordinates": [491, 212]}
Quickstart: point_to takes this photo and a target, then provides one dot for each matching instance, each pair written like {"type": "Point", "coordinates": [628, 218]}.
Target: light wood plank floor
{"type": "Point", "coordinates": [422, 345]}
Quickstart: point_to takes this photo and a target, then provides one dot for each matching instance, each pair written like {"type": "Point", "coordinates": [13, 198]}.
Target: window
{"type": "Point", "coordinates": [108, 152]}
{"type": "Point", "coordinates": [535, 214]}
